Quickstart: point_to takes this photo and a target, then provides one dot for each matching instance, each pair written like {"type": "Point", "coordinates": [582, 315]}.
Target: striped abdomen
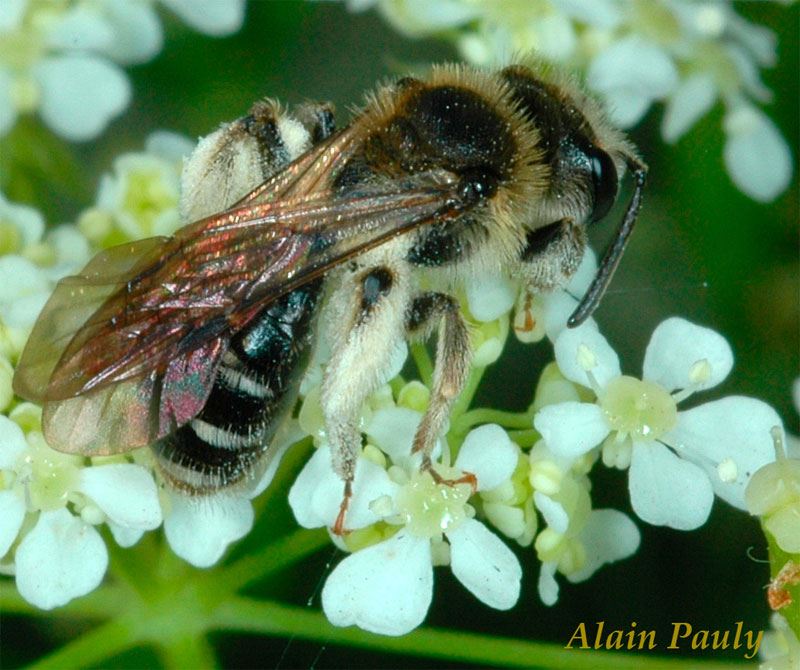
{"type": "Point", "coordinates": [256, 385]}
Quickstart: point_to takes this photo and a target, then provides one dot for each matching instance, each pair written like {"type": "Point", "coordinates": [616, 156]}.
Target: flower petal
{"type": "Point", "coordinates": [677, 346]}
{"type": "Point", "coordinates": [485, 565]}
{"type": "Point", "coordinates": [169, 146]}
{"type": "Point", "coordinates": [392, 430]}
{"type": "Point", "coordinates": [735, 428]}
{"type": "Point", "coordinates": [60, 559]}
{"type": "Point", "coordinates": [756, 155]}
{"type": "Point", "coordinates": [490, 296]}
{"type": "Point", "coordinates": [609, 536]}
{"type": "Point", "coordinates": [666, 490]}
{"type": "Point", "coordinates": [125, 536]}
{"type": "Point", "coordinates": [125, 492]}
{"type": "Point", "coordinates": [555, 516]}
{"type": "Point", "coordinates": [548, 586]}
{"type": "Point", "coordinates": [79, 29]}
{"type": "Point", "coordinates": [570, 429]}
{"type": "Point", "coordinates": [81, 94]}
{"type": "Point", "coordinates": [582, 347]}
{"type": "Point", "coordinates": [138, 36]}
{"type": "Point", "coordinates": [385, 589]}
{"type": "Point", "coordinates": [489, 454]}
{"type": "Point", "coordinates": [301, 494]}
{"type": "Point", "coordinates": [199, 529]}
{"type": "Point", "coordinates": [693, 98]}
{"type": "Point", "coordinates": [12, 443]}
{"type": "Point", "coordinates": [13, 506]}
{"type": "Point", "coordinates": [212, 17]}
{"type": "Point", "coordinates": [632, 69]}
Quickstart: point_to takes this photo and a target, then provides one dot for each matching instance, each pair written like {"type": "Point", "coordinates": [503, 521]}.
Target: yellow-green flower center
{"type": "Point", "coordinates": [52, 475]}
{"type": "Point", "coordinates": [147, 197]}
{"type": "Point", "coordinates": [430, 509]}
{"type": "Point", "coordinates": [638, 408]}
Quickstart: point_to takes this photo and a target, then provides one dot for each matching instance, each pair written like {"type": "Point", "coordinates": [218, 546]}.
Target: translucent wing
{"type": "Point", "coordinates": [126, 352]}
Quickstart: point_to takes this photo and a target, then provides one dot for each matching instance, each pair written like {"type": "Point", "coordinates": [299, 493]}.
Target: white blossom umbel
{"type": "Point", "coordinates": [50, 505]}
{"type": "Point", "coordinates": [62, 59]}
{"type": "Point", "coordinates": [677, 460]}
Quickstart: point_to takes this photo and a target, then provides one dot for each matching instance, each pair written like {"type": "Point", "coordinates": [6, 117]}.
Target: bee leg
{"type": "Point", "coordinates": [552, 254]}
{"type": "Point", "coordinates": [550, 257]}
{"type": "Point", "coordinates": [453, 355]}
{"type": "Point", "coordinates": [366, 329]}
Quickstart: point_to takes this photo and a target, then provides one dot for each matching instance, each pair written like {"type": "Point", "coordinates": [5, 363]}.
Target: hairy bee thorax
{"type": "Point", "coordinates": [536, 154]}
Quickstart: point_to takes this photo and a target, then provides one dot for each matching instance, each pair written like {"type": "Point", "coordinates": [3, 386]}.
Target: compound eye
{"type": "Point", "coordinates": [604, 180]}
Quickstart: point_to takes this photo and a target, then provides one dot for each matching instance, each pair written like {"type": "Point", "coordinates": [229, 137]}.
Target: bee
{"type": "Point", "coordinates": [195, 344]}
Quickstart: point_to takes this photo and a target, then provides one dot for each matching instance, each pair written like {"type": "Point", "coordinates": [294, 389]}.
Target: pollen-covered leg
{"type": "Point", "coordinates": [367, 330]}
{"type": "Point", "coordinates": [453, 355]}
{"type": "Point", "coordinates": [233, 160]}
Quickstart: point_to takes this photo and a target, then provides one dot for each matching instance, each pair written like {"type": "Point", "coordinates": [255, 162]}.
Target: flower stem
{"type": "Point", "coordinates": [90, 648]}
{"type": "Point", "coordinates": [422, 360]}
{"type": "Point", "coordinates": [188, 652]}
{"type": "Point", "coordinates": [525, 438]}
{"type": "Point", "coordinates": [483, 415]}
{"type": "Point", "coordinates": [102, 603]}
{"type": "Point", "coordinates": [272, 618]}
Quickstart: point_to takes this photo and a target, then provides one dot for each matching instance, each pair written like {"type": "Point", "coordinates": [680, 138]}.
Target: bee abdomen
{"type": "Point", "coordinates": [255, 387]}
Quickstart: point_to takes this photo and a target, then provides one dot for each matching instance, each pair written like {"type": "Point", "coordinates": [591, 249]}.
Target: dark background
{"type": "Point", "coordinates": [702, 250]}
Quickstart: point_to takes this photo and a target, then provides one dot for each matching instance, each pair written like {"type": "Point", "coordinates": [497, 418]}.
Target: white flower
{"type": "Point", "coordinates": [62, 556]}
{"type": "Point", "coordinates": [608, 536]}
{"type": "Point", "coordinates": [677, 460]}
{"type": "Point", "coordinates": [140, 198]}
{"type": "Point", "coordinates": [60, 59]}
{"type": "Point", "coordinates": [577, 540]}
{"type": "Point", "coordinates": [387, 587]}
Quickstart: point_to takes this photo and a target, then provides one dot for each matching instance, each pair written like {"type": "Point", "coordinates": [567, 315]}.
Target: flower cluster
{"type": "Point", "coordinates": [686, 54]}
{"type": "Point", "coordinates": [63, 59]}
{"type": "Point", "coordinates": [53, 503]}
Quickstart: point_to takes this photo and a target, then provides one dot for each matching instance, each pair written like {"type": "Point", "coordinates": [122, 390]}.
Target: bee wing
{"type": "Point", "coordinates": [126, 352]}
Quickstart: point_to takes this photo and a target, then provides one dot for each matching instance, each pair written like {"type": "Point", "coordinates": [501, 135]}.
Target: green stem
{"type": "Point", "coordinates": [422, 360]}
{"type": "Point", "coordinates": [271, 618]}
{"type": "Point", "coordinates": [525, 438]}
{"type": "Point", "coordinates": [90, 648]}
{"type": "Point", "coordinates": [193, 652]}
{"type": "Point", "coordinates": [103, 603]}
{"type": "Point", "coordinates": [486, 415]}
{"type": "Point", "coordinates": [275, 556]}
